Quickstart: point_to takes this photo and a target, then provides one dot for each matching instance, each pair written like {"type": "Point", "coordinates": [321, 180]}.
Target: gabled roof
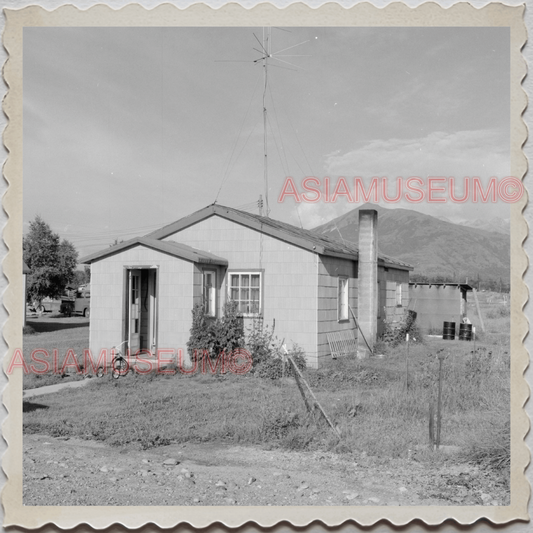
{"type": "Point", "coordinates": [171, 248]}
{"type": "Point", "coordinates": [303, 238]}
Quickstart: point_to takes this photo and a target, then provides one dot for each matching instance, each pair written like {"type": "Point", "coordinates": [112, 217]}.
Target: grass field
{"type": "Point", "coordinates": [53, 332]}
{"type": "Point", "coordinates": [368, 400]}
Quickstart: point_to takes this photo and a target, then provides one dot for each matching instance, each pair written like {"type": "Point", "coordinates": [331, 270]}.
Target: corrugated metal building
{"type": "Point", "coordinates": [143, 290]}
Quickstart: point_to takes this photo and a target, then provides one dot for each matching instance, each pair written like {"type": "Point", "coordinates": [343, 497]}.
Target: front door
{"type": "Point", "coordinates": [140, 313]}
{"type": "Point", "coordinates": [134, 321]}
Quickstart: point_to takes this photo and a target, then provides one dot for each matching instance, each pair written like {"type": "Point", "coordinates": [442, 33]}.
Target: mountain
{"type": "Point", "coordinates": [433, 246]}
{"type": "Point", "coordinates": [496, 224]}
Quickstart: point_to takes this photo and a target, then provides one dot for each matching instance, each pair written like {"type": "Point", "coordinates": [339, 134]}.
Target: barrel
{"type": "Point", "coordinates": [465, 332]}
{"type": "Point", "coordinates": [448, 331]}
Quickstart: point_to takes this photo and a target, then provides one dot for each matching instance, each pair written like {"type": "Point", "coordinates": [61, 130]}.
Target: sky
{"type": "Point", "coordinates": [128, 129]}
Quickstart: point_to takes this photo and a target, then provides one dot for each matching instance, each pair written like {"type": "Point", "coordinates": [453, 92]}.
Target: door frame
{"type": "Point", "coordinates": [154, 320]}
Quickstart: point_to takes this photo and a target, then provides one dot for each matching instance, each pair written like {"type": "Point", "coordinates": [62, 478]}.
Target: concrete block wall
{"type": "Point", "coordinates": [329, 270]}
{"type": "Point", "coordinates": [289, 276]}
{"type": "Point", "coordinates": [388, 283]}
{"type": "Point", "coordinates": [174, 300]}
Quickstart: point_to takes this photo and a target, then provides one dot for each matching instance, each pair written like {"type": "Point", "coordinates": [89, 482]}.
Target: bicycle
{"type": "Point", "coordinates": [119, 364]}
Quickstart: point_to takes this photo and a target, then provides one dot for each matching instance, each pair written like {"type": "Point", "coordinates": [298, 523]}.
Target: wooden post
{"type": "Point", "coordinates": [407, 363]}
{"type": "Point", "coordinates": [431, 424]}
{"type": "Point", "coordinates": [439, 402]}
{"type": "Point", "coordinates": [478, 310]}
{"type": "Point", "coordinates": [298, 373]}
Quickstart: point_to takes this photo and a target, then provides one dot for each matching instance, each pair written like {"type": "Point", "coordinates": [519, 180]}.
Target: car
{"type": "Point", "coordinates": [79, 303]}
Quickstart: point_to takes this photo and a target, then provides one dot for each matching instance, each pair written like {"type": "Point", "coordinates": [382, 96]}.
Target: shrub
{"type": "Point", "coordinates": [395, 332]}
{"type": "Point", "coordinates": [215, 336]}
{"type": "Point", "coordinates": [28, 330]}
{"type": "Point", "coordinates": [274, 368]}
{"type": "Point", "coordinates": [259, 343]}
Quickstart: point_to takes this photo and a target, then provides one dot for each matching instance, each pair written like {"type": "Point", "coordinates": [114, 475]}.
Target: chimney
{"type": "Point", "coordinates": [368, 282]}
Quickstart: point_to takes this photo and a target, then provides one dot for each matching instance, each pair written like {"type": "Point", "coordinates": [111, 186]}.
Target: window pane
{"type": "Point", "coordinates": [245, 289]}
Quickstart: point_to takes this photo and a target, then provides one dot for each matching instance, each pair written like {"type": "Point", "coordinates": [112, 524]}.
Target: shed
{"type": "Point", "coordinates": [436, 303]}
{"type": "Point", "coordinates": [298, 281]}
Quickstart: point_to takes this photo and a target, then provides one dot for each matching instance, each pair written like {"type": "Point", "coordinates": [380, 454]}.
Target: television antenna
{"type": "Point", "coordinates": [267, 58]}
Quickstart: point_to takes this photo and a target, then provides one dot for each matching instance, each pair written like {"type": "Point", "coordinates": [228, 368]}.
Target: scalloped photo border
{"type": "Point", "coordinates": [396, 14]}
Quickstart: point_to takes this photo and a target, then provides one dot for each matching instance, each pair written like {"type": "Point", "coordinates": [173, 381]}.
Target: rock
{"type": "Point", "coordinates": [232, 486]}
{"type": "Point", "coordinates": [230, 501]}
{"type": "Point", "coordinates": [485, 498]}
{"type": "Point", "coordinates": [373, 500]}
{"type": "Point", "coordinates": [220, 484]}
{"type": "Point", "coordinates": [180, 478]}
{"type": "Point", "coordinates": [146, 461]}
{"type": "Point", "coordinates": [277, 474]}
{"type": "Point", "coordinates": [188, 475]}
{"type": "Point", "coordinates": [315, 491]}
{"type": "Point", "coordinates": [113, 479]}
{"type": "Point", "coordinates": [171, 461]}
{"type": "Point", "coordinates": [403, 490]}
{"type": "Point", "coordinates": [196, 500]}
{"type": "Point", "coordinates": [303, 486]}
{"type": "Point", "coordinates": [104, 469]}
{"type": "Point", "coordinates": [62, 438]}
{"type": "Point", "coordinates": [351, 496]}
{"type": "Point", "coordinates": [220, 493]}
{"type": "Point", "coordinates": [251, 480]}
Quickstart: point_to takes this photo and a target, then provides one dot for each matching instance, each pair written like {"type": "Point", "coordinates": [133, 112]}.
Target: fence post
{"type": "Point", "coordinates": [439, 401]}
{"type": "Point", "coordinates": [407, 363]}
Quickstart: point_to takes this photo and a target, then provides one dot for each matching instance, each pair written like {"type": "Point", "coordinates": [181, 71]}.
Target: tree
{"type": "Point", "coordinates": [52, 262]}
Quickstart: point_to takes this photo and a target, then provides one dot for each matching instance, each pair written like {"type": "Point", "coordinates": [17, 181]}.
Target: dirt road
{"type": "Point", "coordinates": [63, 471]}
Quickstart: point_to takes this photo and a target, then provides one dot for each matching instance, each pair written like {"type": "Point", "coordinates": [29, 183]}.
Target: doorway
{"type": "Point", "coordinates": [140, 313]}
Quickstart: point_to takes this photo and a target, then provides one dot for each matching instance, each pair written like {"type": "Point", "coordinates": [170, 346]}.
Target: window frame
{"type": "Point", "coordinates": [249, 272]}
{"type": "Point", "coordinates": [398, 294]}
{"type": "Point", "coordinates": [205, 300]}
{"type": "Point", "coordinates": [343, 298]}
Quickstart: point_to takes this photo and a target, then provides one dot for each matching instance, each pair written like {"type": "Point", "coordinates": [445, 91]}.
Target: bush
{"type": "Point", "coordinates": [260, 343]}
{"type": "Point", "coordinates": [215, 336]}
{"type": "Point", "coordinates": [28, 330]}
{"type": "Point", "coordinates": [395, 332]}
{"type": "Point", "coordinates": [274, 368]}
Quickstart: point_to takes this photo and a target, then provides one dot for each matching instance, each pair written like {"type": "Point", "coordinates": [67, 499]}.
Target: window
{"type": "Point", "coordinates": [209, 292]}
{"type": "Point", "coordinates": [245, 289]}
{"type": "Point", "coordinates": [342, 300]}
{"type": "Point", "coordinates": [398, 294]}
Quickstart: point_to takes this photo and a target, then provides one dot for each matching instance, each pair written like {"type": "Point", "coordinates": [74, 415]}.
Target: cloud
{"type": "Point", "coordinates": [460, 154]}
{"type": "Point", "coordinates": [482, 153]}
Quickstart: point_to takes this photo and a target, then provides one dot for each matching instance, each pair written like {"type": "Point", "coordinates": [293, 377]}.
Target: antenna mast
{"type": "Point", "coordinates": [266, 48]}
